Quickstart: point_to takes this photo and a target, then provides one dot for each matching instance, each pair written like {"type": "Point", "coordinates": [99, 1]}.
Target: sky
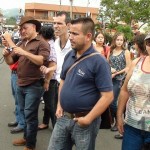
{"type": "Point", "coordinates": [21, 3]}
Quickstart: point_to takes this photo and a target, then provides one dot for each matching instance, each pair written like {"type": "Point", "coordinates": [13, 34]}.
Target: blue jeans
{"type": "Point", "coordinates": [29, 100]}
{"type": "Point", "coordinates": [67, 132]}
{"type": "Point", "coordinates": [116, 90]}
{"type": "Point", "coordinates": [133, 139]}
{"type": "Point", "coordinates": [19, 117]}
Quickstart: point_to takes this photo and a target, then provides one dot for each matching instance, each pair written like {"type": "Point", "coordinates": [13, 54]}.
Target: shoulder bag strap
{"type": "Point", "coordinates": [80, 61]}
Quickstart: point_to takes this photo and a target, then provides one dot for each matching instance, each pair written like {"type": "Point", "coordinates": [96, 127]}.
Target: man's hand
{"type": "Point", "coordinates": [59, 111]}
{"type": "Point", "coordinates": [114, 74]}
{"type": "Point", "coordinates": [4, 42]}
{"type": "Point", "coordinates": [120, 124]}
{"type": "Point", "coordinates": [7, 36]}
{"type": "Point", "coordinates": [44, 69]}
{"type": "Point", "coordinates": [46, 86]}
{"type": "Point", "coordinates": [20, 51]}
{"type": "Point", "coordinates": [82, 121]}
{"type": "Point", "coordinates": [5, 52]}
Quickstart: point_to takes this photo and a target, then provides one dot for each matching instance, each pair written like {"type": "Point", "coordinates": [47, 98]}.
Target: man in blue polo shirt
{"type": "Point", "coordinates": [85, 92]}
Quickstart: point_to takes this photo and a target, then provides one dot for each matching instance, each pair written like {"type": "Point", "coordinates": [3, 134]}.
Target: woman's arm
{"type": "Point", "coordinates": [128, 63]}
{"type": "Point", "coordinates": [123, 98]}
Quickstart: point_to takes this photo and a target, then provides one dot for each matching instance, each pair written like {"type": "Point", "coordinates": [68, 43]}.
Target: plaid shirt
{"type": "Point", "coordinates": [52, 56]}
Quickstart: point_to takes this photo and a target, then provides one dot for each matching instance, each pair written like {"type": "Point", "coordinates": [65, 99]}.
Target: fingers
{"type": "Point", "coordinates": [20, 51]}
{"type": "Point", "coordinates": [75, 119]}
{"type": "Point", "coordinates": [46, 89]}
{"type": "Point", "coordinates": [59, 113]}
{"type": "Point", "coordinates": [5, 52]}
{"type": "Point", "coordinates": [121, 129]}
{"type": "Point", "coordinates": [120, 125]}
{"type": "Point", "coordinates": [43, 69]}
{"type": "Point", "coordinates": [4, 42]}
{"type": "Point", "coordinates": [46, 86]}
{"type": "Point", "coordinates": [6, 35]}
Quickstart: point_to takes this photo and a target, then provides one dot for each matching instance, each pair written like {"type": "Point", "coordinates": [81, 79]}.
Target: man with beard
{"type": "Point", "coordinates": [85, 91]}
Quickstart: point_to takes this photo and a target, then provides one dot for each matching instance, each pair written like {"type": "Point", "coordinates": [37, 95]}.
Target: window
{"type": "Point", "coordinates": [77, 16]}
{"type": "Point", "coordinates": [51, 13]}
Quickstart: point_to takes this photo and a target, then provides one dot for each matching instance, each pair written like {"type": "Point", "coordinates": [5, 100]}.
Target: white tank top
{"type": "Point", "coordinates": [138, 105]}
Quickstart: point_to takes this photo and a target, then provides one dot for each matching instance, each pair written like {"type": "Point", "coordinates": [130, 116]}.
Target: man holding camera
{"type": "Point", "coordinates": [31, 53]}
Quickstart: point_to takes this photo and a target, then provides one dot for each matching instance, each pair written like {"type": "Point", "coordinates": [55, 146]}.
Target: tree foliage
{"type": "Point", "coordinates": [11, 21]}
{"type": "Point", "coordinates": [126, 10]}
{"type": "Point", "coordinates": [126, 30]}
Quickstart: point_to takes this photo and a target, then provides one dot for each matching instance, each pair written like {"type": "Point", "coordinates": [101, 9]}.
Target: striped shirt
{"type": "Point", "coordinates": [138, 105]}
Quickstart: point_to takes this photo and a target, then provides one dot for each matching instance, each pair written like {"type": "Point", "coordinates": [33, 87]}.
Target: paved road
{"type": "Point", "coordinates": [105, 139]}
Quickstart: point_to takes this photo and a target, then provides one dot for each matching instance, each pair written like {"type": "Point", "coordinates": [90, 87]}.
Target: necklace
{"type": "Point", "coordinates": [63, 46]}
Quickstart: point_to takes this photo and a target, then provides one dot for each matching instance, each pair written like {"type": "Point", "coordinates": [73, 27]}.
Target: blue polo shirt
{"type": "Point", "coordinates": [83, 84]}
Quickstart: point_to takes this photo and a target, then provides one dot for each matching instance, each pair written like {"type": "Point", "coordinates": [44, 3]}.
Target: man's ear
{"type": "Point", "coordinates": [89, 36]}
{"type": "Point", "coordinates": [68, 26]}
{"type": "Point", "coordinates": [34, 26]}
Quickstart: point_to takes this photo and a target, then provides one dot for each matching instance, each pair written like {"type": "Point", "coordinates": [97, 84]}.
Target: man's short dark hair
{"type": "Point", "coordinates": [67, 19]}
{"type": "Point", "coordinates": [47, 32]}
{"type": "Point", "coordinates": [87, 25]}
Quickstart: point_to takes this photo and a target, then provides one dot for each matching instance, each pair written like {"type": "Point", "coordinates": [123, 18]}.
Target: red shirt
{"type": "Point", "coordinates": [14, 66]}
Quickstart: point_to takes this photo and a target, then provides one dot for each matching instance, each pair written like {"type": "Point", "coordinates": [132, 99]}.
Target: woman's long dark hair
{"type": "Point", "coordinates": [139, 40]}
{"type": "Point", "coordinates": [113, 44]}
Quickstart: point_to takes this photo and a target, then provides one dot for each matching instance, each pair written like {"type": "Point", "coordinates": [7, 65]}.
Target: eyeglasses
{"type": "Point", "coordinates": [147, 42]}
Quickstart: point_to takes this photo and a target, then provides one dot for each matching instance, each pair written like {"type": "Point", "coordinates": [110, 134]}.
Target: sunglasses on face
{"type": "Point", "coordinates": [147, 42]}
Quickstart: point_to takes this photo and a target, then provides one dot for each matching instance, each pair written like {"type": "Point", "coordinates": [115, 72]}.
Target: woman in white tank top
{"type": "Point", "coordinates": [135, 96]}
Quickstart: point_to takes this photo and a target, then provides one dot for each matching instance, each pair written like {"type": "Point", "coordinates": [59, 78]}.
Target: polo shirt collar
{"type": "Point", "coordinates": [38, 38]}
{"type": "Point", "coordinates": [87, 52]}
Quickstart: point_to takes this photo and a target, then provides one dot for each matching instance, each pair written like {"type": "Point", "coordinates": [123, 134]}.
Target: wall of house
{"type": "Point", "coordinates": [46, 12]}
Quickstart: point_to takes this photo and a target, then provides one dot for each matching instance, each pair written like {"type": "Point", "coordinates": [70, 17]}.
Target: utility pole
{"type": "Point", "coordinates": [71, 2]}
{"type": "Point", "coordinates": [87, 8]}
{"type": "Point", "coordinates": [60, 6]}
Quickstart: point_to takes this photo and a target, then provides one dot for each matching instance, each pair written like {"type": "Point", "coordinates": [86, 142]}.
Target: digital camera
{"type": "Point", "coordinates": [10, 49]}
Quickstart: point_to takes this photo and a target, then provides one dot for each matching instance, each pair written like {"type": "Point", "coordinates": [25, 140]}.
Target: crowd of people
{"type": "Point", "coordinates": [80, 77]}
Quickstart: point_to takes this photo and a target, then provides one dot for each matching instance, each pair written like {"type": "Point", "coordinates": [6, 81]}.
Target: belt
{"type": "Point", "coordinates": [14, 71]}
{"type": "Point", "coordinates": [76, 115]}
